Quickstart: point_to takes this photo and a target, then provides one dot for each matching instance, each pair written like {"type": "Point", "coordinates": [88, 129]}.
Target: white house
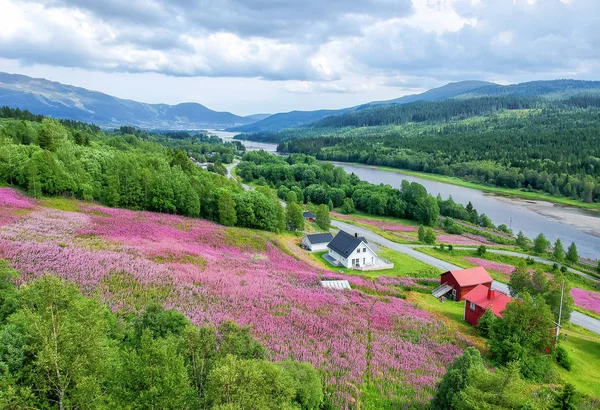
{"type": "Point", "coordinates": [317, 241]}
{"type": "Point", "coordinates": [352, 251]}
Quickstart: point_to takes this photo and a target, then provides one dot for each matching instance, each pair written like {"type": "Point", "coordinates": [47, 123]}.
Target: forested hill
{"type": "Point", "coordinates": [453, 109]}
{"type": "Point", "coordinates": [552, 150]}
{"type": "Point", "coordinates": [130, 168]}
{"type": "Point", "coordinates": [547, 89]}
{"type": "Point", "coordinates": [50, 98]}
{"type": "Point", "coordinates": [293, 119]}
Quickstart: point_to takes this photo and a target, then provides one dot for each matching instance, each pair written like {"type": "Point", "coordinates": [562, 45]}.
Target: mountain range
{"type": "Point", "coordinates": [41, 96]}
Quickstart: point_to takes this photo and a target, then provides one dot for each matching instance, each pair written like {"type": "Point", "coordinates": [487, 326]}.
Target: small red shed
{"type": "Point", "coordinates": [482, 298]}
{"type": "Point", "coordinates": [464, 280]}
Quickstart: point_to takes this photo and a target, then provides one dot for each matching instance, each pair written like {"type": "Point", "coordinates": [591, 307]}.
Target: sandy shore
{"type": "Point", "coordinates": [587, 221]}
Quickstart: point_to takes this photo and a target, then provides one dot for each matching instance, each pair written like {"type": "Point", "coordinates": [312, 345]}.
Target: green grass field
{"type": "Point", "coordinates": [584, 350]}
{"type": "Point", "coordinates": [403, 266]}
{"type": "Point", "coordinates": [508, 192]}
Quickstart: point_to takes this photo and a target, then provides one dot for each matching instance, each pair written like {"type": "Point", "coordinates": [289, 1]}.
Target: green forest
{"type": "Point", "coordinates": [310, 181]}
{"type": "Point", "coordinates": [531, 145]}
{"type": "Point", "coordinates": [130, 168]}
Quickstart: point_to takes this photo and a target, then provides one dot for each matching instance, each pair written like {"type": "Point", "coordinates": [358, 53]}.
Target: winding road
{"type": "Point", "coordinates": [577, 318]}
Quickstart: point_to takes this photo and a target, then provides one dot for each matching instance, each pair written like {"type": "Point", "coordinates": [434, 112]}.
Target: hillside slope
{"type": "Point", "coordinates": [294, 119]}
{"type": "Point", "coordinates": [58, 100]}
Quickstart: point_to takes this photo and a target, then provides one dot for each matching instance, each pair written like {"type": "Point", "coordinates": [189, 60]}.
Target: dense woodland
{"type": "Point", "coordinates": [323, 183]}
{"type": "Point", "coordinates": [62, 350]}
{"type": "Point", "coordinates": [129, 168]}
{"type": "Point", "coordinates": [553, 149]}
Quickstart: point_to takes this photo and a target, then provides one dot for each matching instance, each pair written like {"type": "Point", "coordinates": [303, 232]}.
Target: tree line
{"type": "Point", "coordinates": [61, 350]}
{"type": "Point", "coordinates": [138, 170]}
{"type": "Point", "coordinates": [319, 183]}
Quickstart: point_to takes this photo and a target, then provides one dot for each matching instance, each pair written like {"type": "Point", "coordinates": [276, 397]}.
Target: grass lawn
{"type": "Point", "coordinates": [403, 266]}
{"type": "Point", "coordinates": [452, 313]}
{"type": "Point", "coordinates": [401, 237]}
{"type": "Point", "coordinates": [508, 192]}
{"type": "Point", "coordinates": [584, 350]}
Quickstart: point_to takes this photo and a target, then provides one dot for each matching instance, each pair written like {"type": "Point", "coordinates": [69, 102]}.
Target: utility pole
{"type": "Point", "coordinates": [562, 291]}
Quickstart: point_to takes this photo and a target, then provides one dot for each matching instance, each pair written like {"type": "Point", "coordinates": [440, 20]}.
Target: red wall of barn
{"type": "Point", "coordinates": [460, 292]}
{"type": "Point", "coordinates": [472, 316]}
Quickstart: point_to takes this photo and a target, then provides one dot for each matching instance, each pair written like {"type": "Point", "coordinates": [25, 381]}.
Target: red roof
{"type": "Point", "coordinates": [487, 298]}
{"type": "Point", "coordinates": [472, 276]}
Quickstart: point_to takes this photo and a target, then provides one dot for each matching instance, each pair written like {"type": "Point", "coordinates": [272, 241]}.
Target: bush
{"type": "Point", "coordinates": [485, 323]}
{"type": "Point", "coordinates": [450, 247]}
{"type": "Point", "coordinates": [563, 269]}
{"type": "Point", "coordinates": [482, 250]}
{"type": "Point", "coordinates": [555, 266]}
{"type": "Point", "coordinates": [441, 246]}
{"type": "Point", "coordinates": [563, 358]}
{"type": "Point", "coordinates": [529, 261]}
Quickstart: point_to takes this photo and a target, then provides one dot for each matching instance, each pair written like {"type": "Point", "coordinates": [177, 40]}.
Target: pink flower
{"type": "Point", "coordinates": [198, 268]}
{"type": "Point", "coordinates": [586, 299]}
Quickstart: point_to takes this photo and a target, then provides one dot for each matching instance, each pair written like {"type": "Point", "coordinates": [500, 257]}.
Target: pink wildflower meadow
{"type": "Point", "coordinates": [465, 240]}
{"type": "Point", "coordinates": [495, 266]}
{"type": "Point", "coordinates": [13, 203]}
{"type": "Point", "coordinates": [126, 257]}
{"type": "Point", "coordinates": [586, 299]}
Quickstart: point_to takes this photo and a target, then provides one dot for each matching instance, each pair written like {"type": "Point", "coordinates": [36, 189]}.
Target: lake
{"type": "Point", "coordinates": [531, 217]}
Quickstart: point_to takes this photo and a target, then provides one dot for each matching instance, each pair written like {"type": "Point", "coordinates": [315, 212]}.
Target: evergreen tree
{"type": "Point", "coordinates": [559, 252]}
{"type": "Point", "coordinates": [540, 244]}
{"type": "Point", "coordinates": [521, 240]}
{"type": "Point", "coordinates": [598, 268]}
{"type": "Point", "coordinates": [572, 255]}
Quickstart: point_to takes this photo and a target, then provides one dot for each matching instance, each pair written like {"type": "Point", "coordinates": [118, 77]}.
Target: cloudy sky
{"type": "Point", "coordinates": [250, 56]}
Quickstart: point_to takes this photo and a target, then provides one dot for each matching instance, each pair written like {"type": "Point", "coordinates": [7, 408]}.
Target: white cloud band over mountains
{"type": "Point", "coordinates": [313, 46]}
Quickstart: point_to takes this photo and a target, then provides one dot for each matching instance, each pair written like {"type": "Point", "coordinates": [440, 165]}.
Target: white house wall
{"type": "Point", "coordinates": [369, 256]}
{"type": "Point", "coordinates": [318, 247]}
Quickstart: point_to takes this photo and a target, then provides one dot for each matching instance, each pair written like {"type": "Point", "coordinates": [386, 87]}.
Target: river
{"type": "Point", "coordinates": [250, 145]}
{"type": "Point", "coordinates": [532, 217]}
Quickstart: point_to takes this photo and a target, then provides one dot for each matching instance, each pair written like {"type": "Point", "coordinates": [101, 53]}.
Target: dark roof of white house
{"type": "Point", "coordinates": [308, 215]}
{"type": "Point", "coordinates": [345, 244]}
{"type": "Point", "coordinates": [320, 238]}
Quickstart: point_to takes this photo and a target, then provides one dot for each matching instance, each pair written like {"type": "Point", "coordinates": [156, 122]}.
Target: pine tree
{"type": "Point", "coordinates": [572, 255]}
{"type": "Point", "coordinates": [521, 240]}
{"type": "Point", "coordinates": [559, 251]}
{"type": "Point", "coordinates": [421, 233]}
{"type": "Point", "coordinates": [540, 244]}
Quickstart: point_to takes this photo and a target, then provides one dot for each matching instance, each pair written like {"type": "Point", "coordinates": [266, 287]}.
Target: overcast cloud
{"type": "Point", "coordinates": [251, 56]}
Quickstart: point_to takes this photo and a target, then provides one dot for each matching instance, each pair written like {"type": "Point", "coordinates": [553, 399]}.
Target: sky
{"type": "Point", "coordinates": [267, 56]}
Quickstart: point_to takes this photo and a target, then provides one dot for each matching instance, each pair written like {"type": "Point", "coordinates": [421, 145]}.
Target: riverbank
{"type": "Point", "coordinates": [502, 192]}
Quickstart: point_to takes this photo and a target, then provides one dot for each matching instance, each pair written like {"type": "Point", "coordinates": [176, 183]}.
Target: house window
{"type": "Point", "coordinates": [364, 249]}
{"type": "Point", "coordinates": [472, 305]}
{"type": "Point", "coordinates": [358, 251]}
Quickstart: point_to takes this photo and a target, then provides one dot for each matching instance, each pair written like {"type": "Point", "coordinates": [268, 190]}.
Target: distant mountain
{"type": "Point", "coordinates": [54, 99]}
{"type": "Point", "coordinates": [294, 119]}
{"type": "Point", "coordinates": [546, 89]}
{"type": "Point", "coordinates": [435, 94]}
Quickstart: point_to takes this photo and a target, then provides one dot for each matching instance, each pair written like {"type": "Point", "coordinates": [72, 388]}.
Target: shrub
{"type": "Point", "coordinates": [562, 358]}
{"type": "Point", "coordinates": [529, 260]}
{"type": "Point", "coordinates": [563, 269]}
{"type": "Point", "coordinates": [486, 322]}
{"type": "Point", "coordinates": [482, 250]}
{"type": "Point", "coordinates": [450, 247]}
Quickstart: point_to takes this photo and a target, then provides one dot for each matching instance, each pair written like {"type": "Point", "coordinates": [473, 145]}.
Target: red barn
{"type": "Point", "coordinates": [482, 298]}
{"type": "Point", "coordinates": [460, 282]}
